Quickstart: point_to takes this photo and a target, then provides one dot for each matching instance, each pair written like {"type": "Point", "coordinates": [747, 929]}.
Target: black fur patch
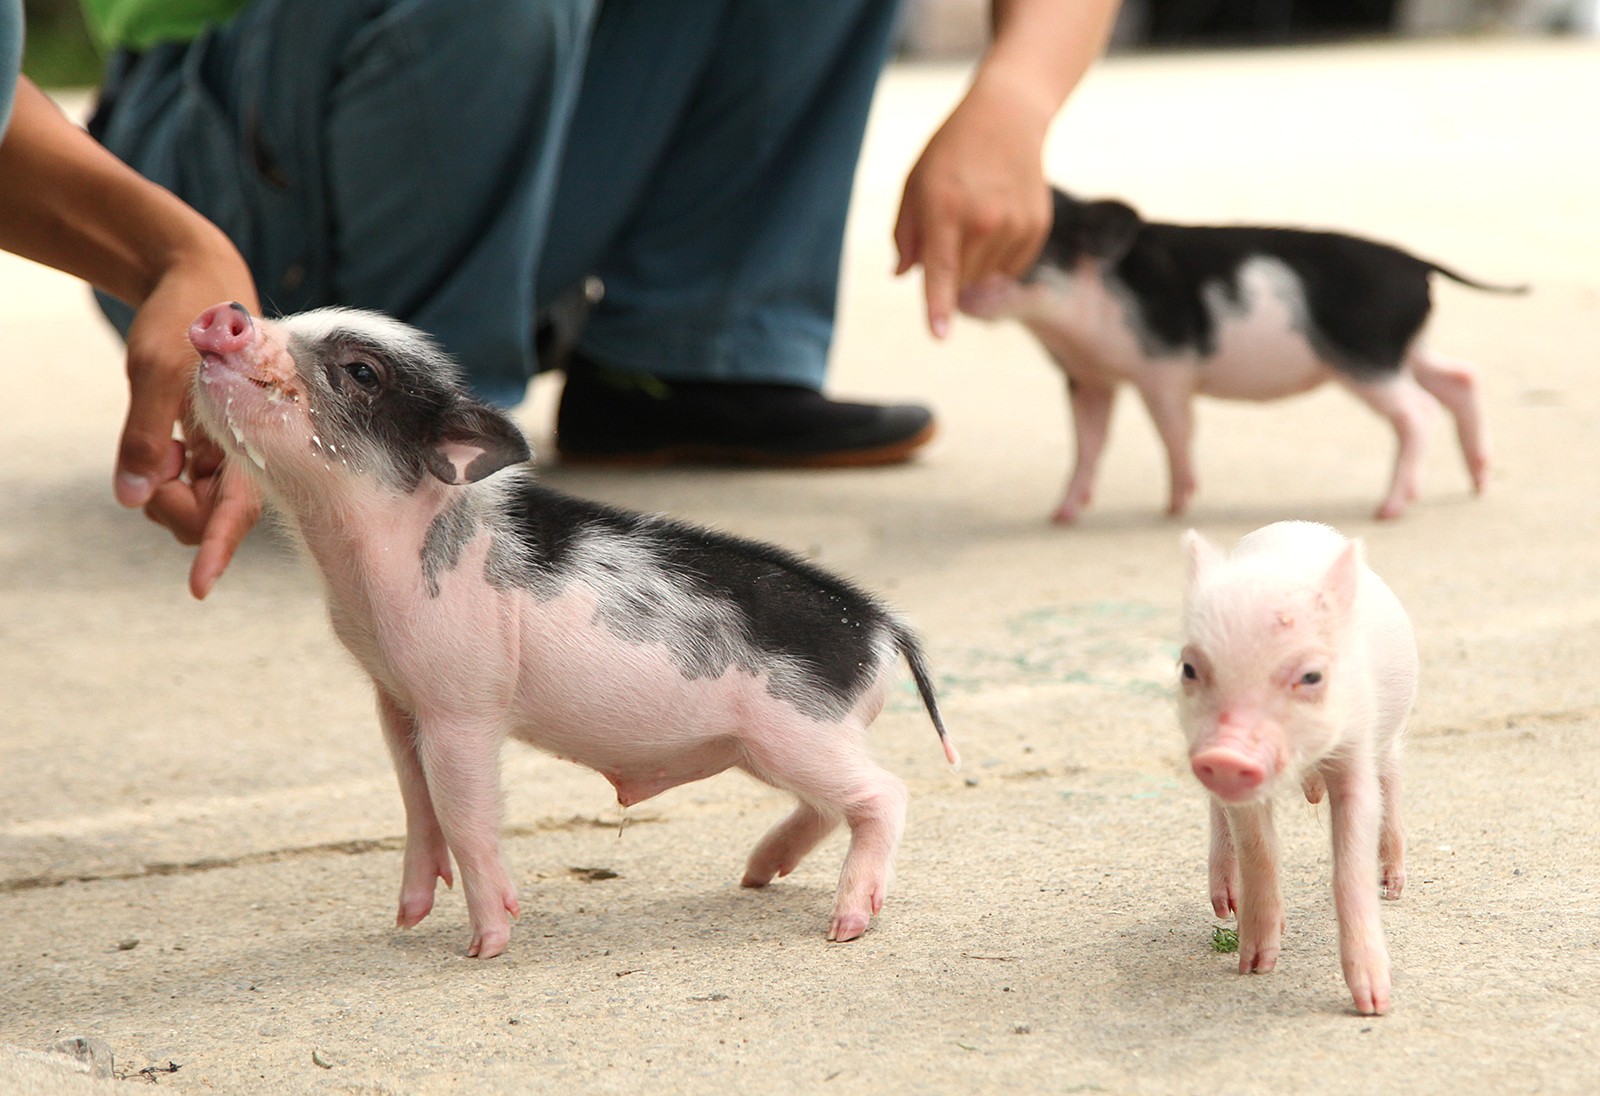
{"type": "Point", "coordinates": [403, 416]}
{"type": "Point", "coordinates": [766, 609]}
{"type": "Point", "coordinates": [447, 535]}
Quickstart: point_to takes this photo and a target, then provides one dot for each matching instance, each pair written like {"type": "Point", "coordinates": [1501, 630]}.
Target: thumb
{"type": "Point", "coordinates": [148, 455]}
{"type": "Point", "coordinates": [907, 239]}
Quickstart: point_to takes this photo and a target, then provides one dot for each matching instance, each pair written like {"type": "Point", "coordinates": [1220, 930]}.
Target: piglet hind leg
{"type": "Point", "coordinates": [787, 843]}
{"type": "Point", "coordinates": [835, 779]}
{"type": "Point", "coordinates": [1411, 412]}
{"type": "Point", "coordinates": [460, 760]}
{"type": "Point", "coordinates": [427, 856]}
{"type": "Point", "coordinates": [1454, 383]}
{"type": "Point", "coordinates": [1260, 903]}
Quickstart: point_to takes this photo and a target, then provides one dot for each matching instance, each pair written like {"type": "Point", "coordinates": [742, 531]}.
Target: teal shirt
{"type": "Point", "coordinates": [10, 57]}
{"type": "Point", "coordinates": [140, 24]}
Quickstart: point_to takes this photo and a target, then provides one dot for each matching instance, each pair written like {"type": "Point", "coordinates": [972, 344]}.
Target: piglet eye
{"type": "Point", "coordinates": [363, 374]}
{"type": "Point", "coordinates": [1311, 677]}
{"type": "Point", "coordinates": [1189, 672]}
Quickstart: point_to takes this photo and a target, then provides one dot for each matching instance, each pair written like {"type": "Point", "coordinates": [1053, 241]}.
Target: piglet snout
{"type": "Point", "coordinates": [222, 329]}
{"type": "Point", "coordinates": [1228, 774]}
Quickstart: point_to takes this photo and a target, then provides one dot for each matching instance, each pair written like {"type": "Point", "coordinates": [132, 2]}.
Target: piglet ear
{"type": "Point", "coordinates": [475, 441]}
{"type": "Point", "coordinates": [1202, 555]}
{"type": "Point", "coordinates": [1339, 585]}
{"type": "Point", "coordinates": [1107, 229]}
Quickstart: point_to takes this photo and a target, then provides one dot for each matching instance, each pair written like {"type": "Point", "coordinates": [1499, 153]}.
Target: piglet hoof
{"type": "Point", "coordinates": [848, 926]}
{"type": "Point", "coordinates": [1072, 505]}
{"type": "Point", "coordinates": [1369, 987]}
{"type": "Point", "coordinates": [1479, 470]}
{"type": "Point", "coordinates": [1224, 886]}
{"type": "Point", "coordinates": [490, 942]}
{"type": "Point", "coordinates": [1254, 959]}
{"type": "Point", "coordinates": [1223, 902]}
{"type": "Point", "coordinates": [413, 908]}
{"type": "Point", "coordinates": [491, 926]}
{"type": "Point", "coordinates": [1396, 504]}
{"type": "Point", "coordinates": [1259, 939]}
{"type": "Point", "coordinates": [1393, 882]}
{"type": "Point", "coordinates": [1182, 495]}
{"type": "Point", "coordinates": [417, 888]}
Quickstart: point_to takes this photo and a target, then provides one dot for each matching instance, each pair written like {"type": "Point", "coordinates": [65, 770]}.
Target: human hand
{"type": "Point", "coordinates": [182, 484]}
{"type": "Point", "coordinates": [977, 203]}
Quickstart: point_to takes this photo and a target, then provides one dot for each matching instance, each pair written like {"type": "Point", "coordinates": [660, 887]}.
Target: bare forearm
{"type": "Point", "coordinates": [1040, 49]}
{"type": "Point", "coordinates": [71, 205]}
{"type": "Point", "coordinates": [68, 203]}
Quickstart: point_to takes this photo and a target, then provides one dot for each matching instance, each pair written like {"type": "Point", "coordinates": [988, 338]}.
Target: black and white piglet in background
{"type": "Point", "coordinates": [485, 604]}
{"type": "Point", "coordinates": [1240, 313]}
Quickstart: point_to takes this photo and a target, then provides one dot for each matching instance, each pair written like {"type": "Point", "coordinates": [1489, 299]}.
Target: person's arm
{"type": "Point", "coordinates": [74, 206]}
{"type": "Point", "coordinates": [977, 202]}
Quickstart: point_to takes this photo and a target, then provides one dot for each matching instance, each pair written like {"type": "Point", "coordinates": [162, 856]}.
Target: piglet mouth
{"type": "Point", "coordinates": [275, 389]}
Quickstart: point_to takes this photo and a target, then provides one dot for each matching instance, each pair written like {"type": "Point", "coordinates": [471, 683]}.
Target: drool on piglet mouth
{"type": "Point", "coordinates": [275, 389]}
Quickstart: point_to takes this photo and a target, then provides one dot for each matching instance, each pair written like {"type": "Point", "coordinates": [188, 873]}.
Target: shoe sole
{"type": "Point", "coordinates": [896, 453]}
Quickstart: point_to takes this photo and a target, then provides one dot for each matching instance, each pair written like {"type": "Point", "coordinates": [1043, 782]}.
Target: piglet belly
{"type": "Point", "coordinates": [1257, 361]}
{"type": "Point", "coordinates": [1263, 349]}
{"type": "Point", "coordinates": [627, 708]}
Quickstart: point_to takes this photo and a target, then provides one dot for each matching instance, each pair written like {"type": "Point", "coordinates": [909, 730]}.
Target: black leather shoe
{"type": "Point", "coordinates": [608, 416]}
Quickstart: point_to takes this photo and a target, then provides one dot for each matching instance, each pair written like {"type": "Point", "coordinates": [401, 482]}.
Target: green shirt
{"type": "Point", "coordinates": [140, 24]}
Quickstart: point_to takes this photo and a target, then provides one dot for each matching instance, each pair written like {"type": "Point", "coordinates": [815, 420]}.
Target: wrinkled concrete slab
{"type": "Point", "coordinates": [199, 830]}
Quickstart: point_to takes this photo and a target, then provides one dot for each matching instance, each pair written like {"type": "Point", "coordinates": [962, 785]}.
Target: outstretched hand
{"type": "Point", "coordinates": [976, 203]}
{"type": "Point", "coordinates": [181, 482]}
{"type": "Point", "coordinates": [72, 205]}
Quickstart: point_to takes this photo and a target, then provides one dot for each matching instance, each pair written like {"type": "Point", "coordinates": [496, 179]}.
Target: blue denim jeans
{"type": "Point", "coordinates": [460, 164]}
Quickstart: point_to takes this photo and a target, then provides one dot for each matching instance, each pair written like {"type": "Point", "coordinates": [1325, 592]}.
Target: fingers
{"type": "Point", "coordinates": [237, 510]}
{"type": "Point", "coordinates": [147, 457]}
{"type": "Point", "coordinates": [941, 277]}
{"type": "Point", "coordinates": [215, 512]}
{"type": "Point", "coordinates": [975, 205]}
{"type": "Point", "coordinates": [959, 251]}
{"type": "Point", "coordinates": [906, 238]}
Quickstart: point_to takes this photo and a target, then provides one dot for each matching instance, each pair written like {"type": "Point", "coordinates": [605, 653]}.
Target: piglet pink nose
{"type": "Point", "coordinates": [1228, 774]}
{"type": "Point", "coordinates": [222, 329]}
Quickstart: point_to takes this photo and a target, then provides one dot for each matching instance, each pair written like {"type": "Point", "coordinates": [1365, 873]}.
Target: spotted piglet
{"type": "Point", "coordinates": [483, 604]}
{"type": "Point", "coordinates": [1238, 313]}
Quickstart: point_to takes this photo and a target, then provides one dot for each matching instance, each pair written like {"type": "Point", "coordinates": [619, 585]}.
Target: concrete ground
{"type": "Point", "coordinates": [200, 832]}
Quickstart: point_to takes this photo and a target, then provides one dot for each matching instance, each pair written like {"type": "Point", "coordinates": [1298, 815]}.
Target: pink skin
{"type": "Point", "coordinates": [1299, 669]}
{"type": "Point", "coordinates": [457, 671]}
{"type": "Point", "coordinates": [1260, 356]}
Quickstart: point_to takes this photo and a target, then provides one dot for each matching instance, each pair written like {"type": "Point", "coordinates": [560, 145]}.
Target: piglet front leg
{"type": "Point", "coordinates": [427, 857]}
{"type": "Point", "coordinates": [1091, 426]}
{"type": "Point", "coordinates": [1260, 903]}
{"type": "Point", "coordinates": [460, 759]}
{"type": "Point", "coordinates": [1353, 797]}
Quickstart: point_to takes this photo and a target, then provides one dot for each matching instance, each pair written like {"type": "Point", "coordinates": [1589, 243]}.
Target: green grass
{"type": "Point", "coordinates": [1224, 941]}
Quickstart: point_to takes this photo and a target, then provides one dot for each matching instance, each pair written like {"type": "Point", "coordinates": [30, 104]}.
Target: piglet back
{"type": "Point", "coordinates": [716, 601]}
